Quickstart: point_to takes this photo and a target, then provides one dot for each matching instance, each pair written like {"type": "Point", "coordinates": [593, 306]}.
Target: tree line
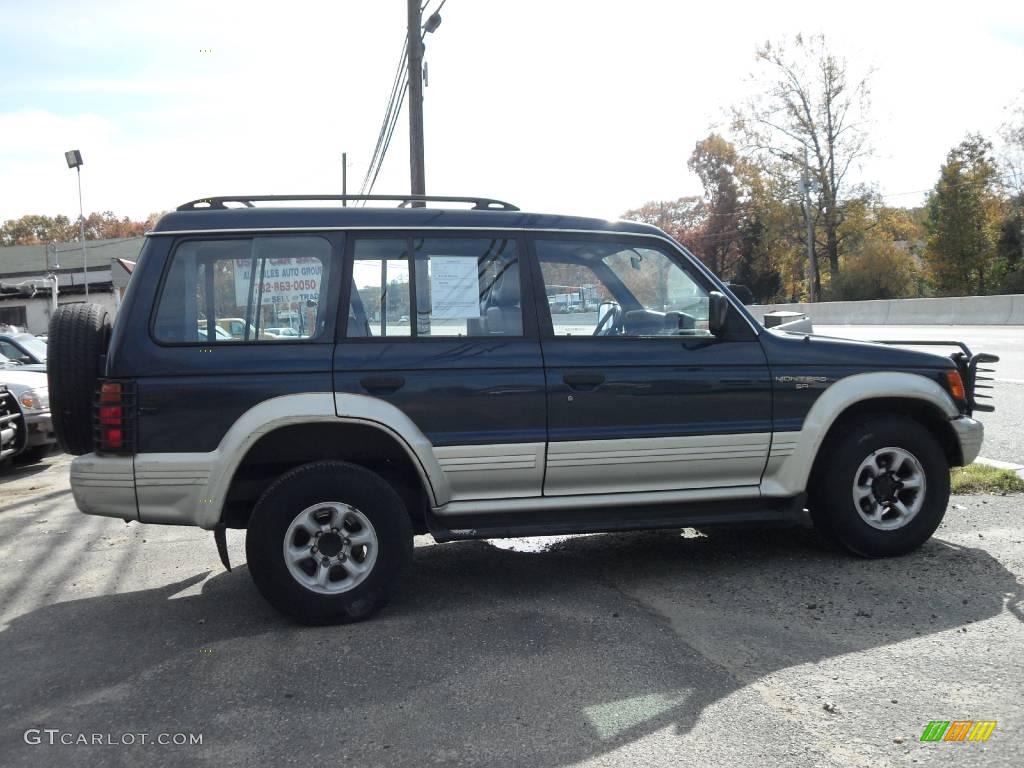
{"type": "Point", "coordinates": [35, 229]}
{"type": "Point", "coordinates": [780, 214]}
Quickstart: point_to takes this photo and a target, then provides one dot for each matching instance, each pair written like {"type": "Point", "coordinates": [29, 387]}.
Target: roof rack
{"type": "Point", "coordinates": [218, 203]}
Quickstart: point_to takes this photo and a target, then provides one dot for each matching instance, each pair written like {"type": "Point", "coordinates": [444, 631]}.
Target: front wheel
{"type": "Point", "coordinates": [883, 488]}
{"type": "Point", "coordinates": [327, 543]}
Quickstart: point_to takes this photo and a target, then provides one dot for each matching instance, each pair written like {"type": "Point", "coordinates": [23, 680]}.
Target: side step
{"type": "Point", "coordinates": [607, 520]}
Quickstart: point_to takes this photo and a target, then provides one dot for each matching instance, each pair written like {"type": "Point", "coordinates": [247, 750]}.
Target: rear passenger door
{"type": "Point", "coordinates": [434, 325]}
{"type": "Point", "coordinates": [254, 282]}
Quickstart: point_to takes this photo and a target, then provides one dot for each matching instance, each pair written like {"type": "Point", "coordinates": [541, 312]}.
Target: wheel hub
{"type": "Point", "coordinates": [329, 544]}
{"type": "Point", "coordinates": [889, 488]}
{"type": "Point", "coordinates": [330, 547]}
{"type": "Point", "coordinates": [885, 486]}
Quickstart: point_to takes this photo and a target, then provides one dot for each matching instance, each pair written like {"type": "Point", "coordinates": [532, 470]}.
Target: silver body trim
{"type": "Point", "coordinates": [636, 465]}
{"type": "Point", "coordinates": [593, 501]}
{"type": "Point", "coordinates": [970, 433]}
{"type": "Point", "coordinates": [493, 471]}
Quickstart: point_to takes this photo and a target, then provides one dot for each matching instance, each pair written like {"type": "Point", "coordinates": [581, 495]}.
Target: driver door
{"type": "Point", "coordinates": [654, 401]}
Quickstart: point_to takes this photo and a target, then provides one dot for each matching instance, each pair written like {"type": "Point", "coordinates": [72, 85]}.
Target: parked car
{"type": "Point", "coordinates": [11, 426]}
{"type": "Point", "coordinates": [666, 406]}
{"type": "Point", "coordinates": [8, 364]}
{"type": "Point", "coordinates": [23, 348]}
{"type": "Point", "coordinates": [29, 392]}
{"type": "Point", "coordinates": [284, 333]}
{"type": "Point", "coordinates": [236, 328]}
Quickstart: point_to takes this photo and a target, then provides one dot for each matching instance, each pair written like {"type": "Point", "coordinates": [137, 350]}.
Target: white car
{"type": "Point", "coordinates": [34, 435]}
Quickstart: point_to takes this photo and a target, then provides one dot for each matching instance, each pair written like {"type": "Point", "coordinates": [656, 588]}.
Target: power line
{"type": "Point", "coordinates": [398, 86]}
{"type": "Point", "coordinates": [391, 129]}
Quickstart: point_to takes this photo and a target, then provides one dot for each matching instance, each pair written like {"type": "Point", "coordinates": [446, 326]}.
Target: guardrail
{"type": "Point", "coordinates": [955, 310]}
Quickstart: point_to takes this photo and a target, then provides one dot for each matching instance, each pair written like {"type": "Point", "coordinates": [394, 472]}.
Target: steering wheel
{"type": "Point", "coordinates": [611, 323]}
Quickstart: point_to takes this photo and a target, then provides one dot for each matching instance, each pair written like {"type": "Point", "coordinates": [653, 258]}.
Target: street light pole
{"type": "Point", "coordinates": [74, 160]}
{"type": "Point", "coordinates": [81, 233]}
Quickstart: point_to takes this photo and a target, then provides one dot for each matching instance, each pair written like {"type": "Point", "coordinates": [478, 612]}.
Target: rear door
{"type": "Point", "coordinates": [641, 395]}
{"type": "Point", "coordinates": [434, 325]}
{"type": "Point", "coordinates": [198, 379]}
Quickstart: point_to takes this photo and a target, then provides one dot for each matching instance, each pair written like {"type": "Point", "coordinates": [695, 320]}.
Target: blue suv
{"type": "Point", "coordinates": [476, 373]}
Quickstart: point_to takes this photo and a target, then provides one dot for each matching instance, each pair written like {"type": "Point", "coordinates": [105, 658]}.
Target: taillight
{"type": "Point", "coordinates": [115, 410]}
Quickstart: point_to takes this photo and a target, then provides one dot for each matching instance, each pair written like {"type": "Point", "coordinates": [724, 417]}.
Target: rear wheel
{"type": "Point", "coordinates": [78, 338]}
{"type": "Point", "coordinates": [883, 489]}
{"type": "Point", "coordinates": [327, 543]}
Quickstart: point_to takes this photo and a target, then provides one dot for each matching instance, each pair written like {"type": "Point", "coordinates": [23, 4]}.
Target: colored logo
{"type": "Point", "coordinates": [958, 730]}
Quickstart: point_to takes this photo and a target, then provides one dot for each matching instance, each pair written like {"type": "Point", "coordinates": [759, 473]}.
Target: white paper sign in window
{"type": "Point", "coordinates": [454, 287]}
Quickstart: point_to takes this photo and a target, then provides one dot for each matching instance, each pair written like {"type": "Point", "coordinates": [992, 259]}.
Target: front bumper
{"type": "Point", "coordinates": [969, 433]}
{"type": "Point", "coordinates": [39, 429]}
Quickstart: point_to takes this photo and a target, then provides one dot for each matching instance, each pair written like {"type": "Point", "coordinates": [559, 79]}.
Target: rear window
{"type": "Point", "coordinates": [256, 289]}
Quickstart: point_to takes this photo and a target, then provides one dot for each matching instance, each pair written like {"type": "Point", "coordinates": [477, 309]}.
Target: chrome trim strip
{"type": "Point", "coordinates": [679, 249]}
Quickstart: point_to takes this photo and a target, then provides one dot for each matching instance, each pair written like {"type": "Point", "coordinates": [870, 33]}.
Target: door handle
{"type": "Point", "coordinates": [382, 385]}
{"type": "Point", "coordinates": [583, 381]}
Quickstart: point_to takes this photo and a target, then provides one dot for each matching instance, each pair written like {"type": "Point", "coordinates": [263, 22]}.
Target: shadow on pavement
{"type": "Point", "coordinates": [488, 656]}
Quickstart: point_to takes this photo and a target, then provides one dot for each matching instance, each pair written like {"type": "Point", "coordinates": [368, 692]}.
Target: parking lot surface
{"type": "Point", "coordinates": [717, 647]}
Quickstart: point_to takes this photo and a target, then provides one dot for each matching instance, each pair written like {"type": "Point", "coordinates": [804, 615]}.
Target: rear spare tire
{"type": "Point", "coordinates": [78, 339]}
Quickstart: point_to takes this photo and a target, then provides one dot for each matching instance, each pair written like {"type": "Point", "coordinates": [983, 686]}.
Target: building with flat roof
{"type": "Point", "coordinates": [26, 278]}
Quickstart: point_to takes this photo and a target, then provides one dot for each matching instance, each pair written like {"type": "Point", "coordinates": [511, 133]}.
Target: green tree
{"type": "Point", "coordinates": [963, 217]}
{"type": "Point", "coordinates": [877, 269]}
{"type": "Point", "coordinates": [34, 228]}
{"type": "Point", "coordinates": [716, 163]}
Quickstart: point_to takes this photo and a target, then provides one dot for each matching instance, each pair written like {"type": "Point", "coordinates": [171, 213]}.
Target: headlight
{"type": "Point", "coordinates": [35, 399]}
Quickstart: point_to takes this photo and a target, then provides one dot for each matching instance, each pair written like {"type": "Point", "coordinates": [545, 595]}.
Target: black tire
{"type": "Point", "coordinates": [33, 455]}
{"type": "Point", "coordinates": [308, 486]}
{"type": "Point", "coordinates": [78, 339]}
{"type": "Point", "coordinates": [831, 501]}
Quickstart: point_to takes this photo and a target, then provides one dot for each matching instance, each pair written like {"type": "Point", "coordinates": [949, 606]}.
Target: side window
{"type": "Point", "coordinates": [615, 289]}
{"type": "Point", "coordinates": [435, 287]}
{"type": "Point", "coordinates": [267, 289]}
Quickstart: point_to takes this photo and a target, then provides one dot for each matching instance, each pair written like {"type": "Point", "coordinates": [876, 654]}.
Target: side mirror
{"type": "Point", "coordinates": [718, 312]}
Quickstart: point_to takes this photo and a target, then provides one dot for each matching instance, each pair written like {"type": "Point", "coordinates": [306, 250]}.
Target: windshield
{"type": "Point", "coordinates": [36, 347]}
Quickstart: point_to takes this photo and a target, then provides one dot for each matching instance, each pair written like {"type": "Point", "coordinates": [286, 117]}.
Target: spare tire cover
{"type": "Point", "coordinates": [78, 339]}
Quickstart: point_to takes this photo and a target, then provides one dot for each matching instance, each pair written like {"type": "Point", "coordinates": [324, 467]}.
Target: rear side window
{"type": "Point", "coordinates": [435, 287]}
{"type": "Point", "coordinates": [267, 289]}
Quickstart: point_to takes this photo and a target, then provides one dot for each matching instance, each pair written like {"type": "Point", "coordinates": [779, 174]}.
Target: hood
{"type": "Point", "coordinates": [18, 379]}
{"type": "Point", "coordinates": [784, 347]}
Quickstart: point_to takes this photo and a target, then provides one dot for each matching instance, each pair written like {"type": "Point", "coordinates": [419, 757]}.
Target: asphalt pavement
{"type": "Point", "coordinates": [718, 647]}
{"type": "Point", "coordinates": [1004, 429]}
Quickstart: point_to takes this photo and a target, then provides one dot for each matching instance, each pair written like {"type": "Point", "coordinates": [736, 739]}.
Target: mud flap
{"type": "Point", "coordinates": [221, 540]}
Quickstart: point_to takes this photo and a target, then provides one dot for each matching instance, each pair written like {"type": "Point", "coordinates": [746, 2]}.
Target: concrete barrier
{"type": "Point", "coordinates": [954, 310]}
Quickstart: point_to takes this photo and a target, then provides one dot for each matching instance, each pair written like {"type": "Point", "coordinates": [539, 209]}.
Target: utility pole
{"type": "Point", "coordinates": [415, 55]}
{"type": "Point", "coordinates": [344, 178]}
{"type": "Point", "coordinates": [812, 262]}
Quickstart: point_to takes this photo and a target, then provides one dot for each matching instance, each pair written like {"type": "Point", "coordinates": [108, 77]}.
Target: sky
{"type": "Point", "coordinates": [566, 106]}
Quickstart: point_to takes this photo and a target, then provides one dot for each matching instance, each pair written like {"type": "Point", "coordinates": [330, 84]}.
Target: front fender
{"type": "Point", "coordinates": [792, 454]}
